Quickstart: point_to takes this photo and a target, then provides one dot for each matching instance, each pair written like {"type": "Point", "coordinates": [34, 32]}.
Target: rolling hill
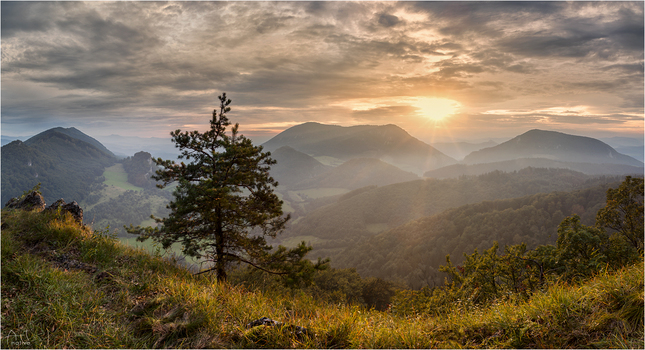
{"type": "Point", "coordinates": [293, 167]}
{"type": "Point", "coordinates": [554, 146]}
{"type": "Point", "coordinates": [414, 251]}
{"type": "Point", "coordinates": [457, 170]}
{"type": "Point", "coordinates": [65, 161]}
{"type": "Point", "coordinates": [388, 143]}
{"type": "Point", "coordinates": [337, 225]}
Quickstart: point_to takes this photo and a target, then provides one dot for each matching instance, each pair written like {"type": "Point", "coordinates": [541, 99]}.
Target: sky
{"type": "Point", "coordinates": [440, 70]}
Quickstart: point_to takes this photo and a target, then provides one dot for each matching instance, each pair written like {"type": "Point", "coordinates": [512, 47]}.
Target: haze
{"type": "Point", "coordinates": [441, 71]}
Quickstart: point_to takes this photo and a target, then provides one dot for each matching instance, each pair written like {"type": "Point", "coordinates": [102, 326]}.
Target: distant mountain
{"type": "Point", "coordinates": [357, 173]}
{"type": "Point", "coordinates": [293, 167]}
{"type": "Point", "coordinates": [71, 132]}
{"type": "Point", "coordinates": [65, 161]}
{"type": "Point", "coordinates": [457, 170]}
{"type": "Point", "coordinates": [552, 145]}
{"type": "Point", "coordinates": [8, 139]}
{"type": "Point", "coordinates": [636, 152]}
{"type": "Point", "coordinates": [128, 145]}
{"type": "Point", "coordinates": [388, 143]}
{"type": "Point", "coordinates": [459, 150]}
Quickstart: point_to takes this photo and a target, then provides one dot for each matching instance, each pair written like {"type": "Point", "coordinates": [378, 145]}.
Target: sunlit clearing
{"type": "Point", "coordinates": [436, 108]}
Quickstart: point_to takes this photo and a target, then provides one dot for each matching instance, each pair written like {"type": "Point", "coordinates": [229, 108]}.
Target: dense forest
{"type": "Point", "coordinates": [365, 214]}
{"type": "Point", "coordinates": [130, 207]}
{"type": "Point", "coordinates": [413, 252]}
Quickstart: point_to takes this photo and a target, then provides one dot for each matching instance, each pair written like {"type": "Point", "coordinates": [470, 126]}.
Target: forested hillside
{"type": "Point", "coordinates": [457, 170]}
{"type": "Point", "coordinates": [140, 168]}
{"type": "Point", "coordinates": [338, 225]}
{"type": "Point", "coordinates": [66, 166]}
{"type": "Point", "coordinates": [413, 252]}
{"type": "Point", "coordinates": [71, 287]}
{"type": "Point", "coordinates": [293, 167]}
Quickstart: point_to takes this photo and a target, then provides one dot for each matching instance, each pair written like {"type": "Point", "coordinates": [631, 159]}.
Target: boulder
{"type": "Point", "coordinates": [56, 205]}
{"type": "Point", "coordinates": [32, 201]}
{"type": "Point", "coordinates": [289, 328]}
{"type": "Point", "coordinates": [76, 211]}
{"type": "Point", "coordinates": [72, 208]}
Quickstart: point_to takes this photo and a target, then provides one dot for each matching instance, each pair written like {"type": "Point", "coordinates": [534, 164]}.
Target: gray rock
{"type": "Point", "coordinates": [76, 211]}
{"type": "Point", "coordinates": [32, 201]}
{"type": "Point", "coordinates": [293, 329]}
{"type": "Point", "coordinates": [72, 208]}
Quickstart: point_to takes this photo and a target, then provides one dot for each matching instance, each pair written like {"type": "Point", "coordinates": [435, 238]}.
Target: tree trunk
{"type": "Point", "coordinates": [220, 263]}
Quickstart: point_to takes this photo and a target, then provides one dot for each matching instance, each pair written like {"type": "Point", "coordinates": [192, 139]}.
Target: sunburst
{"type": "Point", "coordinates": [436, 109]}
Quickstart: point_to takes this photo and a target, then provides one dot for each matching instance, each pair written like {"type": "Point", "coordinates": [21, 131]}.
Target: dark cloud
{"type": "Point", "coordinates": [387, 20]}
{"type": "Point", "coordinates": [18, 16]}
{"type": "Point", "coordinates": [634, 68]}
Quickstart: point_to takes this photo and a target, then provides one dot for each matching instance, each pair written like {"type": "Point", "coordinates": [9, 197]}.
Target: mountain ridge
{"type": "Point", "coordinates": [388, 143]}
{"type": "Point", "coordinates": [552, 145]}
{"type": "Point", "coordinates": [456, 170]}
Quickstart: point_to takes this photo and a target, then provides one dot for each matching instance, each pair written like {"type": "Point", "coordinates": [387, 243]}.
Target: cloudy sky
{"type": "Point", "coordinates": [440, 70]}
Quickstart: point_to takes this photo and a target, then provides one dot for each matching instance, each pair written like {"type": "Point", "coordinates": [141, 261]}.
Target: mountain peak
{"type": "Point", "coordinates": [552, 145]}
{"type": "Point", "coordinates": [389, 143]}
{"type": "Point", "coordinates": [72, 133]}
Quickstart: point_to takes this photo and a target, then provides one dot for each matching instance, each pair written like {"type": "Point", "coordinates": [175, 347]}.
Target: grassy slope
{"type": "Point", "coordinates": [117, 177]}
{"type": "Point", "coordinates": [65, 286]}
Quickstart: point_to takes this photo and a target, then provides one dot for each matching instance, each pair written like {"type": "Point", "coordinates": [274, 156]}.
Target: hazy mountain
{"type": "Point", "coordinates": [457, 170]}
{"type": "Point", "coordinates": [552, 145]}
{"type": "Point", "coordinates": [622, 141]}
{"type": "Point", "coordinates": [388, 143]}
{"type": "Point", "coordinates": [459, 150]}
{"type": "Point", "coordinates": [8, 139]}
{"type": "Point", "coordinates": [386, 207]}
{"type": "Point", "coordinates": [414, 251]}
{"type": "Point", "coordinates": [65, 161]}
{"type": "Point", "coordinates": [636, 152]}
{"type": "Point", "coordinates": [293, 167]}
{"type": "Point", "coordinates": [357, 173]}
{"type": "Point", "coordinates": [129, 145]}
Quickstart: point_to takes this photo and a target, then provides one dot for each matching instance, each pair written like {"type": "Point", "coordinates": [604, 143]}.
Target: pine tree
{"type": "Point", "coordinates": [224, 206]}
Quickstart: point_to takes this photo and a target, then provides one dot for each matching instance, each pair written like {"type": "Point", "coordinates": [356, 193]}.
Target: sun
{"type": "Point", "coordinates": [436, 109]}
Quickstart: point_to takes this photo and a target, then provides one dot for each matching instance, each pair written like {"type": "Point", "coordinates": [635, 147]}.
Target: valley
{"type": "Point", "coordinates": [393, 237]}
{"type": "Point", "coordinates": [350, 197]}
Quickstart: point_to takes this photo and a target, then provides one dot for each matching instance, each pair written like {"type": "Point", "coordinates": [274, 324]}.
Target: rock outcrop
{"type": "Point", "coordinates": [73, 208]}
{"type": "Point", "coordinates": [35, 201]}
{"type": "Point", "coordinates": [31, 201]}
